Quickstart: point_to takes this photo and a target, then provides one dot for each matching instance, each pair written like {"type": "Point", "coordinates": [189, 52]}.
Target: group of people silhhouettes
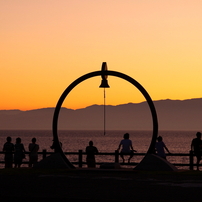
{"type": "Point", "coordinates": [160, 147]}
{"type": "Point", "coordinates": [15, 153]}
{"type": "Point", "coordinates": [126, 148]}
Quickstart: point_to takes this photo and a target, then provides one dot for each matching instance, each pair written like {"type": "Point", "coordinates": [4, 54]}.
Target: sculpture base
{"type": "Point", "coordinates": [152, 162]}
{"type": "Point", "coordinates": [110, 166]}
{"type": "Point", "coordinates": [52, 161]}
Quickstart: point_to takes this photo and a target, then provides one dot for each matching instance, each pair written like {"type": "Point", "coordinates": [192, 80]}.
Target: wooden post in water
{"type": "Point", "coordinates": [191, 160]}
{"type": "Point", "coordinates": [80, 159]}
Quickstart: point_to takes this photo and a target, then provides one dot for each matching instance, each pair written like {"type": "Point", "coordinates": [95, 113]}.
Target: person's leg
{"type": "Point", "coordinates": [30, 162]}
{"type": "Point", "coordinates": [121, 155]}
{"type": "Point", "coordinates": [131, 156]}
{"type": "Point", "coordinates": [198, 161]}
{"type": "Point", "coordinates": [10, 164]}
{"type": "Point", "coordinates": [6, 164]}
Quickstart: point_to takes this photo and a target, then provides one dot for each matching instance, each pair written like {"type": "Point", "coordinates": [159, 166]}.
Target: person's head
{"type": "Point", "coordinates": [34, 140]}
{"type": "Point", "coordinates": [8, 139]}
{"type": "Point", "coordinates": [18, 140]}
{"type": "Point", "coordinates": [91, 143]}
{"type": "Point", "coordinates": [126, 136]}
{"type": "Point", "coordinates": [198, 135]}
{"type": "Point", "coordinates": [159, 138]}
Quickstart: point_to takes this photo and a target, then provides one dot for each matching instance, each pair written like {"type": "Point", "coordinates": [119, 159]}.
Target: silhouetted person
{"type": "Point", "coordinates": [127, 147]}
{"type": "Point", "coordinates": [90, 155]}
{"type": "Point", "coordinates": [160, 146]}
{"type": "Point", "coordinates": [19, 153]}
{"type": "Point", "coordinates": [196, 146]}
{"type": "Point", "coordinates": [8, 148]}
{"type": "Point", "coordinates": [33, 155]}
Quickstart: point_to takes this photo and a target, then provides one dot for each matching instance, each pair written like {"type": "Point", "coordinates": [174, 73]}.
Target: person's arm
{"type": "Point", "coordinates": [29, 147]}
{"type": "Point", "coordinates": [192, 146]}
{"type": "Point", "coordinates": [119, 147]}
{"type": "Point", "coordinates": [133, 149]}
{"type": "Point", "coordinates": [131, 146]}
{"type": "Point", "coordinates": [167, 149]}
{"type": "Point", "coordinates": [23, 149]}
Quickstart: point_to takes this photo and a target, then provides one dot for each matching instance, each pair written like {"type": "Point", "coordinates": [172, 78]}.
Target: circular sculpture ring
{"type": "Point", "coordinates": [100, 73]}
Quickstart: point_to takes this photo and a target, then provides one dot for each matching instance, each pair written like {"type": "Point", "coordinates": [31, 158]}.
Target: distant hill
{"type": "Point", "coordinates": [172, 115]}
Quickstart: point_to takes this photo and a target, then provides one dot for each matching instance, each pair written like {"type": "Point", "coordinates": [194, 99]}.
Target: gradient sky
{"type": "Point", "coordinates": [47, 44]}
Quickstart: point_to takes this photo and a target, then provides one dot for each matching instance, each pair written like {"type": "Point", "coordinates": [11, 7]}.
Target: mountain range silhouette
{"type": "Point", "coordinates": [172, 115]}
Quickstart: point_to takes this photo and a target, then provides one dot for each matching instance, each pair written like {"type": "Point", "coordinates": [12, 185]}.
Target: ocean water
{"type": "Point", "coordinates": [74, 140]}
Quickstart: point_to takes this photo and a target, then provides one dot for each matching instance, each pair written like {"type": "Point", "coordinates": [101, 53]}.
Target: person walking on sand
{"type": "Point", "coordinates": [160, 146]}
{"type": "Point", "coordinates": [127, 147]}
{"type": "Point", "coordinates": [8, 148]}
{"type": "Point", "coordinates": [33, 155]}
{"type": "Point", "coordinates": [196, 147]}
{"type": "Point", "coordinates": [90, 155]}
{"type": "Point", "coordinates": [19, 153]}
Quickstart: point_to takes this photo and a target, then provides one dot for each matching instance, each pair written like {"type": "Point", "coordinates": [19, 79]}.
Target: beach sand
{"type": "Point", "coordinates": [99, 185]}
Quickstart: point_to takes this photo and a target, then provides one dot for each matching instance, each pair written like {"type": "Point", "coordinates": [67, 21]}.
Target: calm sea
{"type": "Point", "coordinates": [72, 141]}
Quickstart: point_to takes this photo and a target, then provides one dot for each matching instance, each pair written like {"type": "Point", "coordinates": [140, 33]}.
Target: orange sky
{"type": "Point", "coordinates": [47, 44]}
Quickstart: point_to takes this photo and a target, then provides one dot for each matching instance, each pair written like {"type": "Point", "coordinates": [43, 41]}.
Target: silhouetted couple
{"type": "Point", "coordinates": [19, 153]}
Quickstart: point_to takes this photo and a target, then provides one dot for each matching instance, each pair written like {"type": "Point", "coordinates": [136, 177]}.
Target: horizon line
{"type": "Point", "coordinates": [98, 105]}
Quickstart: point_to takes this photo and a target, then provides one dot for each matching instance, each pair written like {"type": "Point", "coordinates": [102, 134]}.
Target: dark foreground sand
{"type": "Point", "coordinates": [99, 185]}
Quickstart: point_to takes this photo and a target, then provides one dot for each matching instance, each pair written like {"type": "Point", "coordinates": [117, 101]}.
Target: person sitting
{"type": "Point", "coordinates": [127, 147]}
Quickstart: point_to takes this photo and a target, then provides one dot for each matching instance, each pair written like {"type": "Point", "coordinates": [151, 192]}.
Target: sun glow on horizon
{"type": "Point", "coordinates": [46, 45]}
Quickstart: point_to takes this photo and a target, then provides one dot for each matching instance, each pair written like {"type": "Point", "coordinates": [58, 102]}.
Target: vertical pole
{"type": "Point", "coordinates": [44, 153]}
{"type": "Point", "coordinates": [191, 160]}
{"type": "Point", "coordinates": [116, 156]}
{"type": "Point", "coordinates": [80, 158]}
{"type": "Point", "coordinates": [104, 111]}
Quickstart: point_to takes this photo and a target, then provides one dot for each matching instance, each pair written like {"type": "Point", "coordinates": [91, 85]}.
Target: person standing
{"type": "Point", "coordinates": [19, 153]}
{"type": "Point", "coordinates": [196, 147]}
{"type": "Point", "coordinates": [90, 155]}
{"type": "Point", "coordinates": [160, 146]}
{"type": "Point", "coordinates": [127, 147]}
{"type": "Point", "coordinates": [33, 155]}
{"type": "Point", "coordinates": [8, 148]}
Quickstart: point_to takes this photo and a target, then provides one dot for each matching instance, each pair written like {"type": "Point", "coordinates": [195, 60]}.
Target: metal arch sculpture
{"type": "Point", "coordinates": [100, 73]}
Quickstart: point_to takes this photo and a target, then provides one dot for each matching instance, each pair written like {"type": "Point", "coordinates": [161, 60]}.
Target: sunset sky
{"type": "Point", "coordinates": [46, 44]}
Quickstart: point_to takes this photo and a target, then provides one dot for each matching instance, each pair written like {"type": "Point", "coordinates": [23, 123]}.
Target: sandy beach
{"type": "Point", "coordinates": [99, 185]}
